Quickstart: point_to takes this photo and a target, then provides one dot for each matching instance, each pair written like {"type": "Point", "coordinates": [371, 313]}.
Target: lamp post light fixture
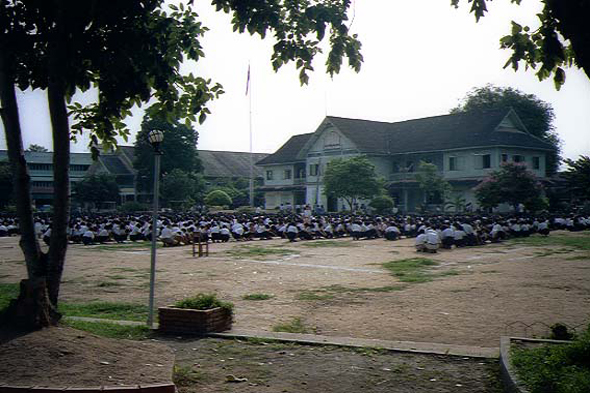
{"type": "Point", "coordinates": [155, 137]}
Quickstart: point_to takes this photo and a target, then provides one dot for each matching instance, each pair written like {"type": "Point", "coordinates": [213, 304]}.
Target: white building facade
{"type": "Point", "coordinates": [465, 148]}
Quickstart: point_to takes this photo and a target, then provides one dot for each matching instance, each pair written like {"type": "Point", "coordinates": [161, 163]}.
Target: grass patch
{"type": "Point", "coordinates": [343, 289]}
{"type": "Point", "coordinates": [412, 270]}
{"type": "Point", "coordinates": [580, 242]}
{"type": "Point", "coordinates": [328, 243]}
{"type": "Point", "coordinates": [108, 284]}
{"type": "Point", "coordinates": [106, 310]}
{"type": "Point", "coordinates": [258, 251]}
{"type": "Point", "coordinates": [8, 291]}
{"type": "Point", "coordinates": [555, 368]}
{"type": "Point", "coordinates": [314, 296]}
{"type": "Point", "coordinates": [138, 246]}
{"type": "Point", "coordinates": [204, 301]}
{"type": "Point", "coordinates": [257, 296]}
{"type": "Point", "coordinates": [111, 330]}
{"type": "Point", "coordinates": [185, 376]}
{"type": "Point", "coordinates": [295, 325]}
{"type": "Point", "coordinates": [579, 258]}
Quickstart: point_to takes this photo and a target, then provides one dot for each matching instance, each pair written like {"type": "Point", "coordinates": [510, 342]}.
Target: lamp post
{"type": "Point", "coordinates": [155, 137]}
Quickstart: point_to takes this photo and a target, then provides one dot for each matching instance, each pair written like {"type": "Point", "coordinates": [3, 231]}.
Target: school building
{"type": "Point", "coordinates": [465, 147]}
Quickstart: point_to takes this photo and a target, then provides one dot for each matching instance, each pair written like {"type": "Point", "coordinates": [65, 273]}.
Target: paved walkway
{"type": "Point", "coordinates": [314, 339]}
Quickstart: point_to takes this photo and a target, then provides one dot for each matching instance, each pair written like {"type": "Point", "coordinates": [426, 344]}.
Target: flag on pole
{"type": "Point", "coordinates": [248, 80]}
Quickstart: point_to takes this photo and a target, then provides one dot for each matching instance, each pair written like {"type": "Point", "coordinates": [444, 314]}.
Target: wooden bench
{"type": "Point", "coordinates": [200, 248]}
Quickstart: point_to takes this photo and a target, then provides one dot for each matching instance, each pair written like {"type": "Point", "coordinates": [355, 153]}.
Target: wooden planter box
{"type": "Point", "coordinates": [185, 320]}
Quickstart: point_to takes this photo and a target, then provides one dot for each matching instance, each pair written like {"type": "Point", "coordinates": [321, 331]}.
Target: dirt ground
{"type": "Point", "coordinates": [64, 357]}
{"type": "Point", "coordinates": [339, 288]}
{"type": "Point", "coordinates": [275, 367]}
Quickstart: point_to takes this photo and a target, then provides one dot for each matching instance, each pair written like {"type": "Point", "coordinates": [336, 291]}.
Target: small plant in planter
{"type": "Point", "coordinates": [200, 314]}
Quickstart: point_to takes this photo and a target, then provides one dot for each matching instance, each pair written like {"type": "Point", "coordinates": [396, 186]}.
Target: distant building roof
{"type": "Point", "coordinates": [114, 164]}
{"type": "Point", "coordinates": [39, 157]}
{"type": "Point", "coordinates": [288, 152]}
{"type": "Point", "coordinates": [446, 132]}
{"type": "Point", "coordinates": [229, 163]}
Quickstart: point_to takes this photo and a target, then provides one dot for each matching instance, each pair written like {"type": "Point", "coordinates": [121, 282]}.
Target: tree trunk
{"type": "Point", "coordinates": [61, 157]}
{"type": "Point", "coordinates": [32, 309]}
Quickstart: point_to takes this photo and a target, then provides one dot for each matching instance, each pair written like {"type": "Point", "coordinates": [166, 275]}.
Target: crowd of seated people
{"type": "Point", "coordinates": [430, 233]}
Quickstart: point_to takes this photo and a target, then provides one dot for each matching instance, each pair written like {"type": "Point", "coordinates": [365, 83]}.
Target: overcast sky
{"type": "Point", "coordinates": [421, 58]}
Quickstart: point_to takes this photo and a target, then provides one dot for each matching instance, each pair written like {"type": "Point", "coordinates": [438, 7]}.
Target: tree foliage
{"type": "Point", "coordinates": [536, 114]}
{"type": "Point", "coordinates": [179, 151]}
{"type": "Point", "coordinates": [562, 40]}
{"type": "Point", "coordinates": [96, 189]}
{"type": "Point", "coordinates": [513, 184]}
{"type": "Point", "coordinates": [382, 204]}
{"type": "Point", "coordinates": [131, 52]}
{"type": "Point", "coordinates": [179, 186]}
{"type": "Point", "coordinates": [431, 182]}
{"type": "Point", "coordinates": [218, 198]}
{"type": "Point", "coordinates": [351, 179]}
{"type": "Point", "coordinates": [577, 176]}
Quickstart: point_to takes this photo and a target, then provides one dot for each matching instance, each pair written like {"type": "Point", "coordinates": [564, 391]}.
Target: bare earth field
{"type": "Point", "coordinates": [340, 287]}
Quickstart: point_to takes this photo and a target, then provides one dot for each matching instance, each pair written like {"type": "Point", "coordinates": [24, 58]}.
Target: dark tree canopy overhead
{"type": "Point", "coordinates": [536, 115]}
{"type": "Point", "coordinates": [562, 40]}
{"type": "Point", "coordinates": [131, 52]}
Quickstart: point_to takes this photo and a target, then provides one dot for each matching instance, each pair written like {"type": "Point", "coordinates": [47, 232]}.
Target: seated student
{"type": "Point", "coordinates": [340, 230]}
{"type": "Point", "coordinates": [515, 230]}
{"type": "Point", "coordinates": [525, 229]}
{"type": "Point", "coordinates": [447, 237]}
{"type": "Point", "coordinates": [214, 232]}
{"type": "Point", "coordinates": [237, 230]}
{"type": "Point", "coordinates": [47, 235]}
{"type": "Point", "coordinates": [432, 241]}
{"type": "Point", "coordinates": [262, 232]}
{"type": "Point", "coordinates": [356, 231]}
{"type": "Point", "coordinates": [103, 235]}
{"type": "Point", "coordinates": [420, 241]}
{"type": "Point", "coordinates": [291, 232]}
{"type": "Point", "coordinates": [543, 228]}
{"type": "Point", "coordinates": [470, 238]}
{"type": "Point", "coordinates": [327, 231]}
{"type": "Point", "coordinates": [12, 227]}
{"type": "Point", "coordinates": [135, 234]}
{"type": "Point", "coordinates": [168, 237]}
{"type": "Point", "coordinates": [369, 231]}
{"type": "Point", "coordinates": [392, 232]}
{"type": "Point", "coordinates": [88, 237]}
{"type": "Point", "coordinates": [305, 233]}
{"type": "Point", "coordinates": [119, 233]}
{"type": "Point", "coordinates": [497, 234]}
{"type": "Point", "coordinates": [224, 234]}
{"type": "Point", "coordinates": [459, 236]}
{"type": "Point", "coordinates": [3, 230]}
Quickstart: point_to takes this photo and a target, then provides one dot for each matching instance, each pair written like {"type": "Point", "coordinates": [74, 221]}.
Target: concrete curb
{"type": "Point", "coordinates": [397, 346]}
{"type": "Point", "coordinates": [161, 388]}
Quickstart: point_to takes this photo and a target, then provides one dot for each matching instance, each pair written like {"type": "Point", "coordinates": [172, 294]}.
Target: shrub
{"type": "Point", "coordinates": [556, 368]}
{"type": "Point", "coordinates": [131, 207]}
{"type": "Point", "coordinates": [204, 301]}
{"type": "Point", "coordinates": [218, 198]}
{"type": "Point", "coordinates": [382, 204]}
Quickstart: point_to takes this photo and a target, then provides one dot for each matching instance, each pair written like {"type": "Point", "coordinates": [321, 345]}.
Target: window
{"type": "Point", "coordinates": [395, 167]}
{"type": "Point", "coordinates": [456, 163]}
{"type": "Point", "coordinates": [268, 175]}
{"type": "Point", "coordinates": [483, 161]}
{"type": "Point", "coordinates": [504, 158]}
{"type": "Point", "coordinates": [536, 163]}
{"type": "Point", "coordinates": [41, 167]}
{"type": "Point", "coordinates": [287, 174]}
{"type": "Point", "coordinates": [314, 169]}
{"type": "Point", "coordinates": [332, 140]}
{"type": "Point", "coordinates": [517, 158]}
{"type": "Point", "coordinates": [300, 174]}
{"type": "Point", "coordinates": [453, 164]}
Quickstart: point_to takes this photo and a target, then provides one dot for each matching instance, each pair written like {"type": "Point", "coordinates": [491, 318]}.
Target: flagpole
{"type": "Point", "coordinates": [249, 91]}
